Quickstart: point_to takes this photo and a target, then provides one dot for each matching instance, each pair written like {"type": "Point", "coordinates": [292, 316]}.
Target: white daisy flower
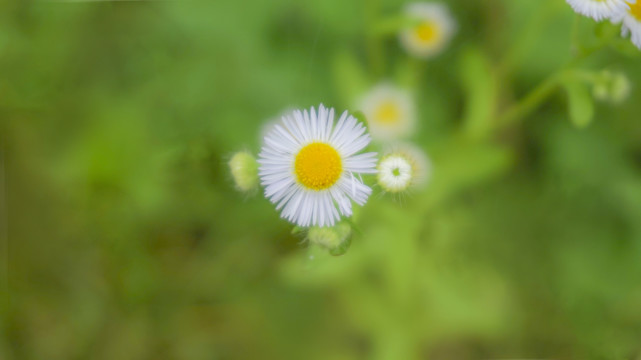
{"type": "Point", "coordinates": [310, 168]}
{"type": "Point", "coordinates": [631, 20]}
{"type": "Point", "coordinates": [435, 29]}
{"type": "Point", "coordinates": [403, 167]}
{"type": "Point", "coordinates": [599, 9]}
{"type": "Point", "coordinates": [390, 112]}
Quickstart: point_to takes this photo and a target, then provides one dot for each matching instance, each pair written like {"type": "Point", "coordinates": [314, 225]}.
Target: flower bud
{"type": "Point", "coordinates": [244, 170]}
{"type": "Point", "coordinates": [621, 88]}
{"type": "Point", "coordinates": [611, 86]}
{"type": "Point", "coordinates": [403, 167]}
{"type": "Point", "coordinates": [335, 239]}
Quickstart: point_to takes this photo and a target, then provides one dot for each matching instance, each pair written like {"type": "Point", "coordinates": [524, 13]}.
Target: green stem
{"type": "Point", "coordinates": [374, 45]}
{"type": "Point", "coordinates": [530, 102]}
{"type": "Point", "coordinates": [539, 94]}
{"type": "Point", "coordinates": [575, 43]}
{"type": "Point", "coordinates": [527, 37]}
{"type": "Point", "coordinates": [418, 70]}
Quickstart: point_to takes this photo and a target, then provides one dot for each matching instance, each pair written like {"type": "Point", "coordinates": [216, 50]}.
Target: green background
{"type": "Point", "coordinates": [123, 237]}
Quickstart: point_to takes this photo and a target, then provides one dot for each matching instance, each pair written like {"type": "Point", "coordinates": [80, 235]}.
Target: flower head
{"type": "Point", "coordinates": [244, 170]}
{"type": "Point", "coordinates": [631, 19]}
{"type": "Point", "coordinates": [403, 167]}
{"type": "Point", "coordinates": [389, 111]}
{"type": "Point", "coordinates": [309, 166]}
{"type": "Point", "coordinates": [434, 30]}
{"type": "Point", "coordinates": [599, 9]}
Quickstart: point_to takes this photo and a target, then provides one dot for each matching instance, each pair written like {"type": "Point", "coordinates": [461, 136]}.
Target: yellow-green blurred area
{"type": "Point", "coordinates": [123, 237]}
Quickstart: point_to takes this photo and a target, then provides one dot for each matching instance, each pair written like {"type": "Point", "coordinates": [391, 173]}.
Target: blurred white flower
{"type": "Point", "coordinates": [402, 167]}
{"type": "Point", "coordinates": [599, 9]}
{"type": "Point", "coordinates": [631, 19]}
{"type": "Point", "coordinates": [433, 32]}
{"type": "Point", "coordinates": [390, 112]}
{"type": "Point", "coordinates": [309, 166]}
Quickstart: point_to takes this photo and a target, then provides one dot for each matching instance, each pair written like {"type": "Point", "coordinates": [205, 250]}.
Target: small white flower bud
{"type": "Point", "coordinates": [403, 167]}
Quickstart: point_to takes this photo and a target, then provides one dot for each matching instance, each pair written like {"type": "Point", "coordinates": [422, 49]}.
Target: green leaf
{"type": "Point", "coordinates": [297, 230]}
{"type": "Point", "coordinates": [342, 248]}
{"type": "Point", "coordinates": [580, 103]}
{"type": "Point", "coordinates": [460, 164]}
{"type": "Point", "coordinates": [480, 86]}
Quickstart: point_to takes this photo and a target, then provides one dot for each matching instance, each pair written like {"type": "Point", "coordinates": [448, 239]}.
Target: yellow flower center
{"type": "Point", "coordinates": [635, 9]}
{"type": "Point", "coordinates": [427, 32]}
{"type": "Point", "coordinates": [387, 113]}
{"type": "Point", "coordinates": [318, 166]}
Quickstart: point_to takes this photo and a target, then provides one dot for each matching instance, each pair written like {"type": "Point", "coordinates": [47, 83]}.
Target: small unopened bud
{"type": "Point", "coordinates": [611, 86]}
{"type": "Point", "coordinates": [621, 88]}
{"type": "Point", "coordinates": [336, 239]}
{"type": "Point", "coordinates": [600, 91]}
{"type": "Point", "coordinates": [244, 170]}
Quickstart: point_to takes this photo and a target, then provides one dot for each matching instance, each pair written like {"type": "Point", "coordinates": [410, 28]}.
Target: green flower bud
{"type": "Point", "coordinates": [621, 88]}
{"type": "Point", "coordinates": [611, 86]}
{"type": "Point", "coordinates": [600, 91]}
{"type": "Point", "coordinates": [335, 239]}
{"type": "Point", "coordinates": [244, 170]}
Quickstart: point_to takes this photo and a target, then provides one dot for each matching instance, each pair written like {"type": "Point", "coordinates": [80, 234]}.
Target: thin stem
{"type": "Point", "coordinates": [535, 98]}
{"type": "Point", "coordinates": [575, 43]}
{"type": "Point", "coordinates": [530, 102]}
{"type": "Point", "coordinates": [374, 45]}
{"type": "Point", "coordinates": [418, 68]}
{"type": "Point", "coordinates": [527, 36]}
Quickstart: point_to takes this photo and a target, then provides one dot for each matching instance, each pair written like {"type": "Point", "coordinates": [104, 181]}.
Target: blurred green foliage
{"type": "Point", "coordinates": [123, 238]}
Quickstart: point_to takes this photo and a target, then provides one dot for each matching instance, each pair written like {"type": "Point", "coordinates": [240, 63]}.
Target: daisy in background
{"type": "Point", "coordinates": [390, 112]}
{"type": "Point", "coordinates": [402, 168]}
{"type": "Point", "coordinates": [310, 168]}
{"type": "Point", "coordinates": [631, 19]}
{"type": "Point", "coordinates": [599, 9]}
{"type": "Point", "coordinates": [434, 30]}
